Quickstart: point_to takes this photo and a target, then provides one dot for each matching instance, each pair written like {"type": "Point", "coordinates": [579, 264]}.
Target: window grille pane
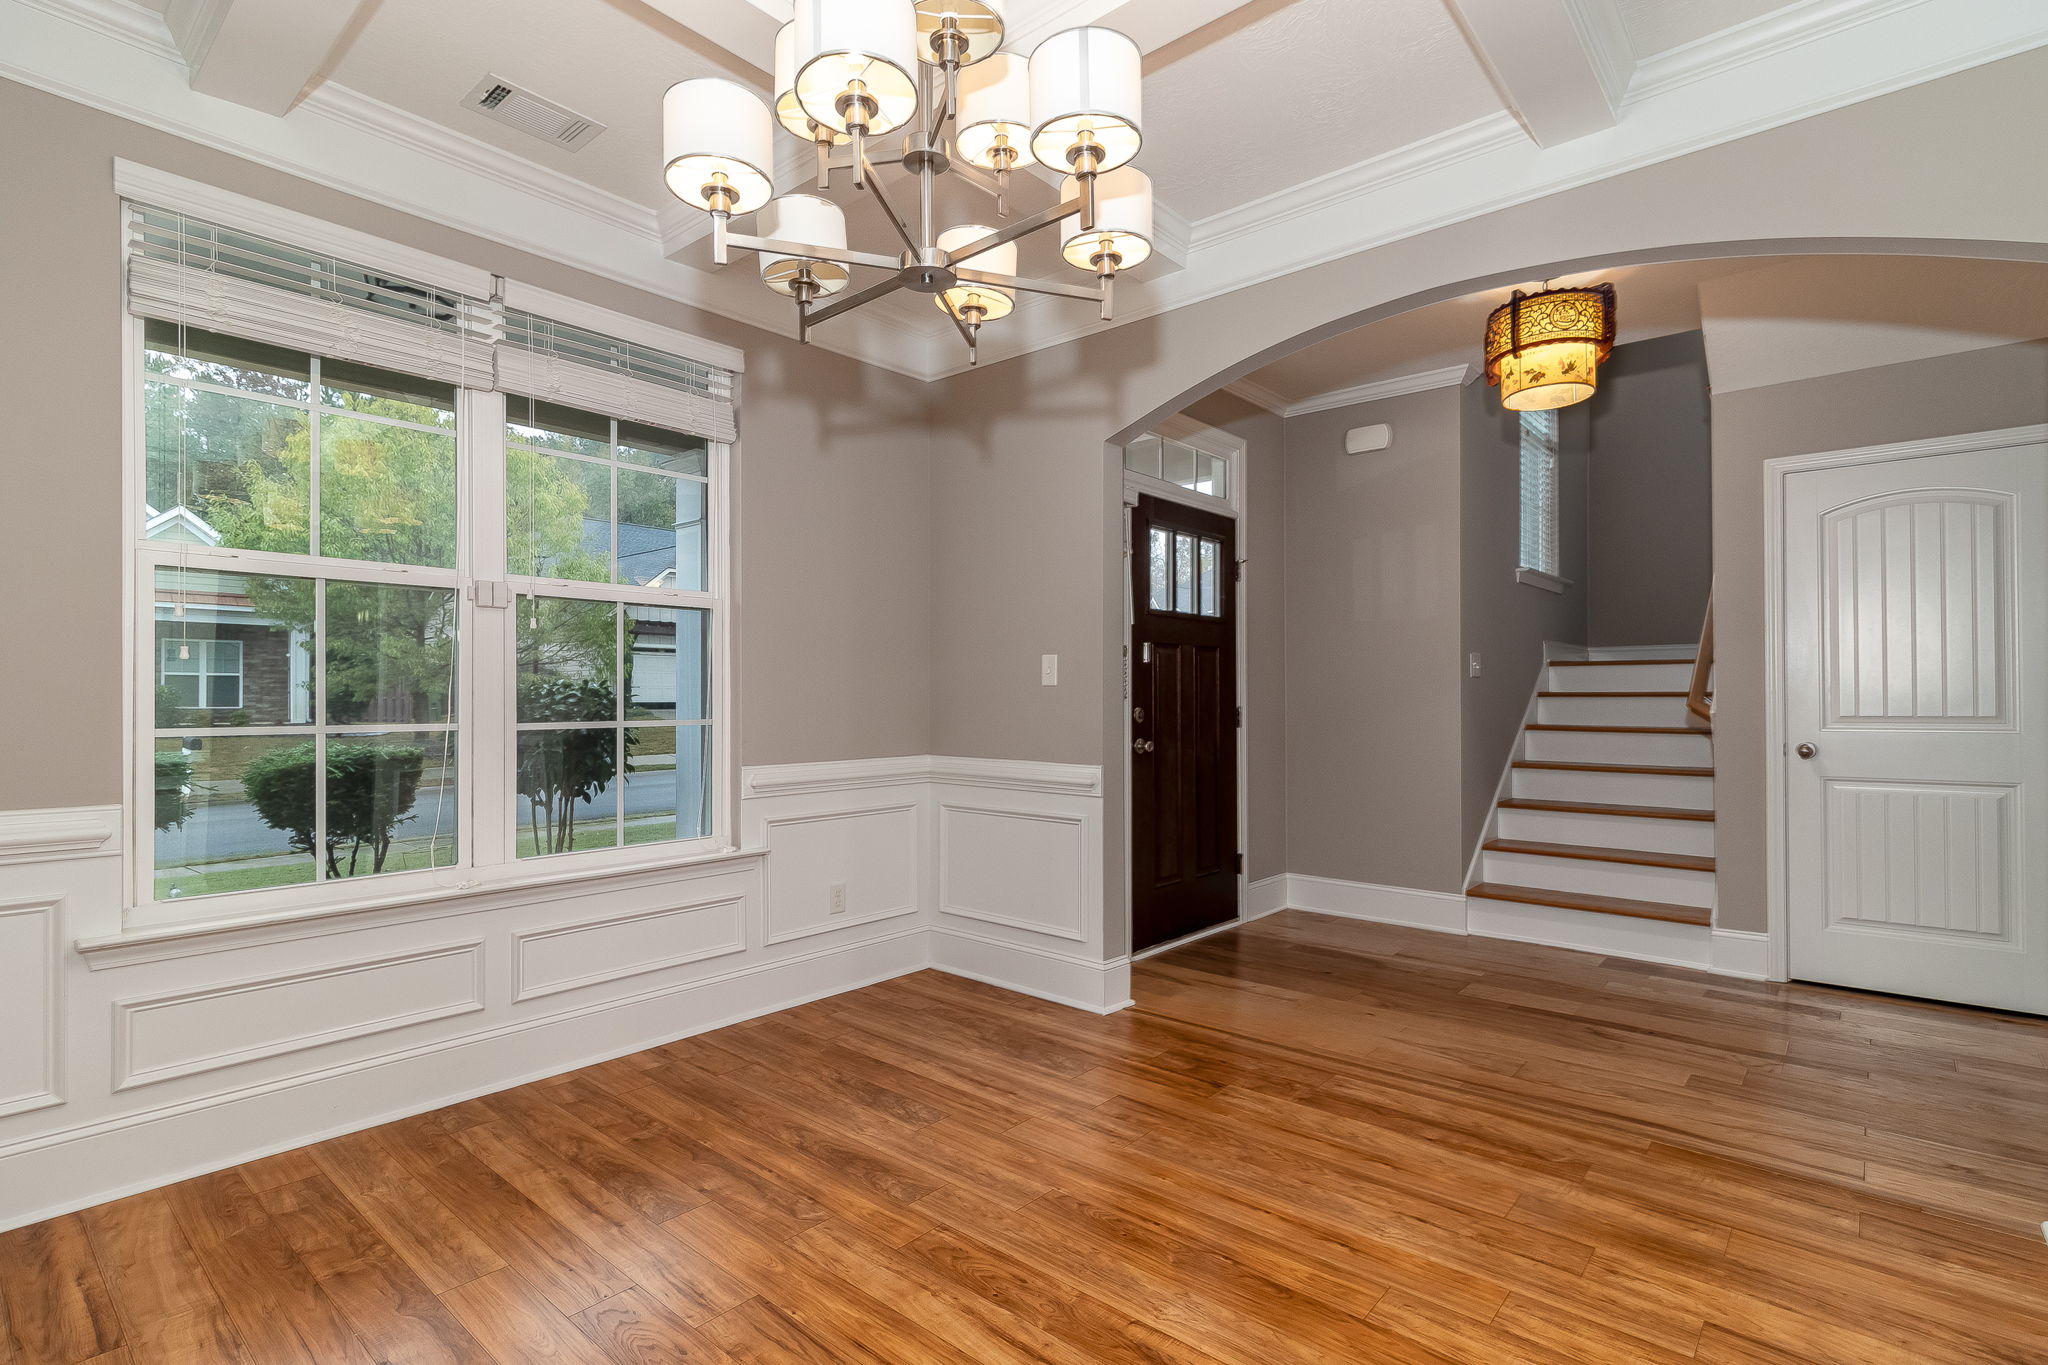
{"type": "Point", "coordinates": [387, 493]}
{"type": "Point", "coordinates": [568, 790]}
{"type": "Point", "coordinates": [391, 802]}
{"type": "Point", "coordinates": [1539, 491]}
{"type": "Point", "coordinates": [568, 658]}
{"type": "Point", "coordinates": [233, 813]}
{"type": "Point", "coordinates": [233, 649]}
{"type": "Point", "coordinates": [390, 654]}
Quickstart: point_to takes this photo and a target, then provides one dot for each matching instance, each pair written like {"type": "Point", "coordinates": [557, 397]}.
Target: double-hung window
{"type": "Point", "coordinates": [430, 589]}
{"type": "Point", "coordinates": [1539, 492]}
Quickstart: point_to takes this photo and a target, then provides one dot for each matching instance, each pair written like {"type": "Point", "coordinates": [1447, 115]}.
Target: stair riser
{"type": "Point", "coordinates": [1610, 710]}
{"type": "Point", "coordinates": [1620, 678]}
{"type": "Point", "coordinates": [1609, 831]}
{"type": "Point", "coordinates": [1616, 789]}
{"type": "Point", "coordinates": [1669, 751]}
{"type": "Point", "coordinates": [1676, 885]}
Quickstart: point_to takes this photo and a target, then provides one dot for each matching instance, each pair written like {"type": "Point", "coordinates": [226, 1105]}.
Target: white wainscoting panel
{"type": "Point", "coordinates": [185, 1033]}
{"type": "Point", "coordinates": [570, 956]}
{"type": "Point", "coordinates": [1024, 869]}
{"type": "Point", "coordinates": [869, 855]}
{"type": "Point", "coordinates": [31, 990]}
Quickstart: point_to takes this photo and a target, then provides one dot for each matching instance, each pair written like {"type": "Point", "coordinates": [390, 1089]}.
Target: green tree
{"type": "Point", "coordinates": [558, 769]}
{"type": "Point", "coordinates": [371, 790]}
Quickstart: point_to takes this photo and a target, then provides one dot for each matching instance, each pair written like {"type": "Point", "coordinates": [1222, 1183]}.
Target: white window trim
{"type": "Point", "coordinates": [488, 748]}
{"type": "Point", "coordinates": [1536, 578]}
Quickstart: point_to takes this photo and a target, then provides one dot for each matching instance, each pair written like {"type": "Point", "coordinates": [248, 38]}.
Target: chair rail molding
{"type": "Point", "coordinates": [59, 832]}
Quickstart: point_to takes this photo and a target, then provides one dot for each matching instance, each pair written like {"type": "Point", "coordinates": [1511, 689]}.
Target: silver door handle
{"type": "Point", "coordinates": [1806, 751]}
{"type": "Point", "coordinates": [1141, 746]}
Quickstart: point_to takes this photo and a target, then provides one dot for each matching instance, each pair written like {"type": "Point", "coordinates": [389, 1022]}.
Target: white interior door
{"type": "Point", "coordinates": [1916, 725]}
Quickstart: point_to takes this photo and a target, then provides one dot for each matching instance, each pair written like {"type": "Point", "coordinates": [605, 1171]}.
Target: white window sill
{"type": "Point", "coordinates": [1536, 578]}
{"type": "Point", "coordinates": [151, 941]}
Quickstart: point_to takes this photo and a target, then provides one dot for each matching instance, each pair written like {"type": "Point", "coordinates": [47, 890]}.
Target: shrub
{"type": "Point", "coordinates": [173, 778]}
{"type": "Point", "coordinates": [371, 789]}
{"type": "Point", "coordinates": [559, 768]}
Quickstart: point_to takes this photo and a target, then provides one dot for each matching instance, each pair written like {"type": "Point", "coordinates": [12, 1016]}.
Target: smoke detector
{"type": "Point", "coordinates": [517, 107]}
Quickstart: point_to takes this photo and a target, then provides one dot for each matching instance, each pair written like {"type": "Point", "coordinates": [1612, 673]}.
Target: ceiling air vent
{"type": "Point", "coordinates": [499, 99]}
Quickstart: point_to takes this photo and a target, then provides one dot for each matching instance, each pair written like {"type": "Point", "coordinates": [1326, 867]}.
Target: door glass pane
{"type": "Point", "coordinates": [1161, 576]}
{"type": "Point", "coordinates": [391, 802]}
{"type": "Point", "coordinates": [1184, 574]}
{"type": "Point", "coordinates": [568, 783]}
{"type": "Point", "coordinates": [233, 813]}
{"type": "Point", "coordinates": [390, 654]}
{"type": "Point", "coordinates": [568, 657]}
{"type": "Point", "coordinates": [558, 521]}
{"type": "Point", "coordinates": [232, 649]}
{"type": "Point", "coordinates": [1212, 600]}
{"type": "Point", "coordinates": [387, 493]}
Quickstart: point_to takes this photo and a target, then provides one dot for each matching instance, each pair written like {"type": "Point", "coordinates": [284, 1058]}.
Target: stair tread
{"type": "Point", "coordinates": [1604, 808]}
{"type": "Point", "coordinates": [1600, 905]}
{"type": "Point", "coordinates": [1594, 853]}
{"type": "Point", "coordinates": [1553, 766]}
{"type": "Point", "coordinates": [1610, 694]}
{"type": "Point", "coordinates": [1621, 729]}
{"type": "Point", "coordinates": [1615, 663]}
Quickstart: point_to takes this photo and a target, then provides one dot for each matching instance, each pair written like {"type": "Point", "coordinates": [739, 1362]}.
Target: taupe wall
{"type": "Point", "coordinates": [1262, 542]}
{"type": "Point", "coordinates": [1372, 646]}
{"type": "Point", "coordinates": [2004, 386]}
{"type": "Point", "coordinates": [1504, 621]}
{"type": "Point", "coordinates": [1649, 493]}
{"type": "Point", "coordinates": [834, 534]}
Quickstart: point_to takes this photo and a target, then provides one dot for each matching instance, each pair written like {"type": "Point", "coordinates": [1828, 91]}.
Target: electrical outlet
{"type": "Point", "coordinates": [838, 898]}
{"type": "Point", "coordinates": [1049, 670]}
{"type": "Point", "coordinates": [1472, 666]}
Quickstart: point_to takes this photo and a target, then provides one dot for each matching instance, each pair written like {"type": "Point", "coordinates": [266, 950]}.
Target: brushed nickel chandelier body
{"type": "Point", "coordinates": [849, 72]}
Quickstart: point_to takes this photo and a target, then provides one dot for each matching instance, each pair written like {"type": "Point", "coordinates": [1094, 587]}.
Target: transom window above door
{"type": "Point", "coordinates": [1180, 464]}
{"type": "Point", "coordinates": [1187, 575]}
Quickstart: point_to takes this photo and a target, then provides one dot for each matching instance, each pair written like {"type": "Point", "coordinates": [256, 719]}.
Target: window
{"type": "Point", "coordinates": [1186, 575]}
{"type": "Point", "coordinates": [1539, 492]}
{"type": "Point", "coordinates": [329, 700]}
{"type": "Point", "coordinates": [200, 674]}
{"type": "Point", "coordinates": [1180, 464]}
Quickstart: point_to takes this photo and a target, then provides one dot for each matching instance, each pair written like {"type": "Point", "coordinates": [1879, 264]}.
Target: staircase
{"type": "Point", "coordinates": [1610, 801]}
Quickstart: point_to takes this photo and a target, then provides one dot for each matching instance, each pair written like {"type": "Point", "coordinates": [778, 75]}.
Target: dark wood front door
{"type": "Point", "coordinates": [1184, 718]}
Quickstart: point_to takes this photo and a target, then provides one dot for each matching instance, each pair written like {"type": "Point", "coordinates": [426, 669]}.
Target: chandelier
{"type": "Point", "coordinates": [851, 72]}
{"type": "Point", "coordinates": [1544, 350]}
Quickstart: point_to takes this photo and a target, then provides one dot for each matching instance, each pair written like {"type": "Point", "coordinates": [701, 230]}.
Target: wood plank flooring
{"type": "Point", "coordinates": [1314, 1140]}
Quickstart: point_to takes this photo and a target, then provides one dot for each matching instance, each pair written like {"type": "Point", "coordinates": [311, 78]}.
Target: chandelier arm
{"type": "Point", "coordinates": [812, 251]}
{"type": "Point", "coordinates": [985, 181]}
{"type": "Point", "coordinates": [846, 303]}
{"type": "Point", "coordinates": [1023, 227]}
{"type": "Point", "coordinates": [873, 186]}
{"type": "Point", "coordinates": [1030, 286]}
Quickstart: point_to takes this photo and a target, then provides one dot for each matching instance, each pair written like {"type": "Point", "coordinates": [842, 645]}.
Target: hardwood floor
{"type": "Point", "coordinates": [1314, 1140]}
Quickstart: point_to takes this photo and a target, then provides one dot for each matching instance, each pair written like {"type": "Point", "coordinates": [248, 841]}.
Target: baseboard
{"type": "Point", "coordinates": [1443, 911]}
{"type": "Point", "coordinates": [1063, 978]}
{"type": "Point", "coordinates": [67, 1175]}
{"type": "Point", "coordinates": [1739, 952]}
{"type": "Point", "coordinates": [1265, 896]}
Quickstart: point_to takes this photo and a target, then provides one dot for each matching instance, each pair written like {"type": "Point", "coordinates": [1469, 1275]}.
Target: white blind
{"type": "Point", "coordinates": [1539, 491]}
{"type": "Point", "coordinates": [559, 362]}
{"type": "Point", "coordinates": [187, 270]}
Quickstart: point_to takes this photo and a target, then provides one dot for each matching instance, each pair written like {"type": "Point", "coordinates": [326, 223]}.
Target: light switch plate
{"type": "Point", "coordinates": [1049, 670]}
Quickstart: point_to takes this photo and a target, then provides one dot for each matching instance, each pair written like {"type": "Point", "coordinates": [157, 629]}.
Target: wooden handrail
{"type": "Point", "coordinates": [1699, 711]}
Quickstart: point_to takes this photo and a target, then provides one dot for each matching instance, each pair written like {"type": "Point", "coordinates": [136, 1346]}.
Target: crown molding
{"type": "Point", "coordinates": [1805, 60]}
{"type": "Point", "coordinates": [1448, 377]}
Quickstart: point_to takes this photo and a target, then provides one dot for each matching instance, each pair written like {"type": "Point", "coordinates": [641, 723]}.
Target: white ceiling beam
{"type": "Point", "coordinates": [1152, 24]}
{"type": "Point", "coordinates": [745, 28]}
{"type": "Point", "coordinates": [1562, 66]}
{"type": "Point", "coordinates": [260, 53]}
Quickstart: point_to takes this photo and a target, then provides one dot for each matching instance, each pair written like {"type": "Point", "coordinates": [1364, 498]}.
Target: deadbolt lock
{"type": "Point", "coordinates": [1138, 714]}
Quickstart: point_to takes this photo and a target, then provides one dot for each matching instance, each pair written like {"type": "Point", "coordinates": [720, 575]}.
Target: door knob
{"type": "Point", "coordinates": [1806, 751]}
{"type": "Point", "coordinates": [1141, 746]}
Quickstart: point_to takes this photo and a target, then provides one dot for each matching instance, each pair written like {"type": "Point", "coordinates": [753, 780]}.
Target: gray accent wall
{"type": "Point", "coordinates": [1372, 646]}
{"type": "Point", "coordinates": [1504, 621]}
{"type": "Point", "coordinates": [1649, 494]}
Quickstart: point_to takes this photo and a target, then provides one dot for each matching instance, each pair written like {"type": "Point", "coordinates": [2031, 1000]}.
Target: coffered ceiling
{"type": "Point", "coordinates": [1278, 133]}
